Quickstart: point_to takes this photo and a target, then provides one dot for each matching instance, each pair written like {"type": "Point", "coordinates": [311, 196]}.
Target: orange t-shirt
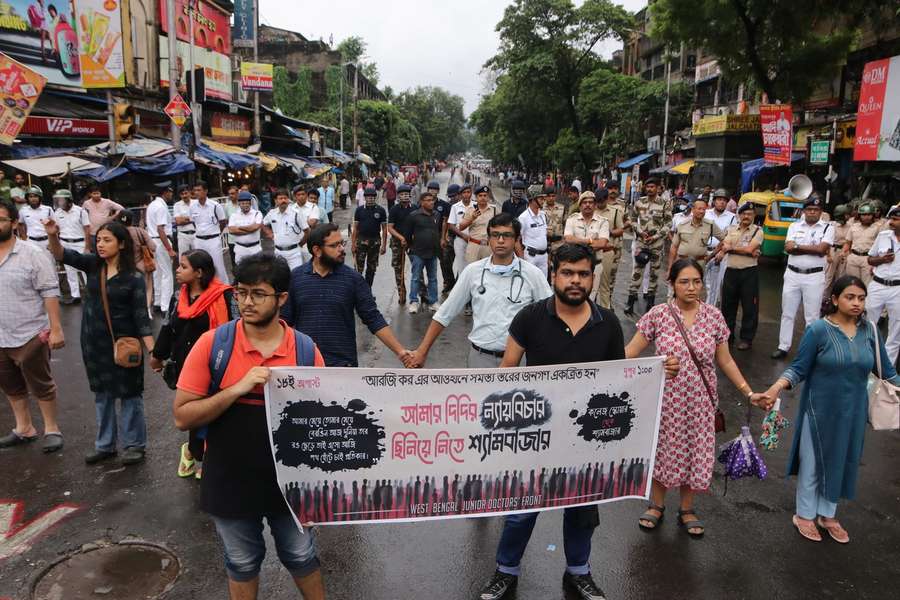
{"type": "Point", "coordinates": [195, 376]}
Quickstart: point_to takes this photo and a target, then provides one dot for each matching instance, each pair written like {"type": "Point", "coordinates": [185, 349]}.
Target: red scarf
{"type": "Point", "coordinates": [211, 302]}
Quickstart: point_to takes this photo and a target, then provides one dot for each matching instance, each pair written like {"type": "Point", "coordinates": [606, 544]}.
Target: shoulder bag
{"type": "Point", "coordinates": [884, 404]}
{"type": "Point", "coordinates": [126, 350]}
{"type": "Point", "coordinates": [147, 255]}
{"type": "Point", "coordinates": [720, 416]}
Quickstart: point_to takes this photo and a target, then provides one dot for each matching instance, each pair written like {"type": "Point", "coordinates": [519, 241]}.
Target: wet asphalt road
{"type": "Point", "coordinates": [750, 549]}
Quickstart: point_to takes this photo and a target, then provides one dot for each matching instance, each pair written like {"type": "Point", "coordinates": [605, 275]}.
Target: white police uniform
{"type": "Point", "coordinates": [307, 211]}
{"type": "Point", "coordinates": [287, 228]}
{"type": "Point", "coordinates": [715, 272]}
{"type": "Point", "coordinates": [33, 219]}
{"type": "Point", "coordinates": [457, 211]}
{"type": "Point", "coordinates": [186, 231]}
{"type": "Point", "coordinates": [163, 277]}
{"type": "Point", "coordinates": [534, 238]}
{"type": "Point", "coordinates": [71, 235]}
{"type": "Point", "coordinates": [884, 289]}
{"type": "Point", "coordinates": [804, 278]}
{"type": "Point", "coordinates": [247, 244]}
{"type": "Point", "coordinates": [208, 235]}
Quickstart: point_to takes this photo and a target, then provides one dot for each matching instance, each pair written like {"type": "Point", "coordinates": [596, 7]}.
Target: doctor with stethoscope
{"type": "Point", "coordinates": [498, 287]}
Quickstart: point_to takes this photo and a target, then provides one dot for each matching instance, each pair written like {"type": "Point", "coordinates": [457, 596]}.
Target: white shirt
{"type": "Point", "coordinates": [885, 243]}
{"type": "Point", "coordinates": [158, 214]}
{"type": "Point", "coordinates": [345, 187]}
{"type": "Point", "coordinates": [723, 221]}
{"type": "Point", "coordinates": [360, 197]}
{"type": "Point", "coordinates": [287, 226]}
{"type": "Point", "coordinates": [206, 217]}
{"type": "Point", "coordinates": [804, 234]}
{"type": "Point", "coordinates": [242, 219]}
{"type": "Point", "coordinates": [534, 229]}
{"type": "Point", "coordinates": [493, 311]}
{"type": "Point", "coordinates": [71, 222]}
{"type": "Point", "coordinates": [680, 218]}
{"type": "Point", "coordinates": [306, 212]}
{"type": "Point", "coordinates": [183, 209]}
{"type": "Point", "coordinates": [32, 218]}
{"type": "Point", "coordinates": [457, 211]}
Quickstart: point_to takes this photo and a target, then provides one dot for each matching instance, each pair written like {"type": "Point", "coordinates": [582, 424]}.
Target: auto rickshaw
{"type": "Point", "coordinates": [775, 212]}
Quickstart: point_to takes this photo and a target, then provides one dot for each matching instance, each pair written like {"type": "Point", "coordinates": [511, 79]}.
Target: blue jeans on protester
{"type": "Point", "coordinates": [517, 531]}
{"type": "Point", "coordinates": [134, 427]}
{"type": "Point", "coordinates": [429, 264]}
{"type": "Point", "coordinates": [245, 546]}
{"type": "Point", "coordinates": [810, 503]}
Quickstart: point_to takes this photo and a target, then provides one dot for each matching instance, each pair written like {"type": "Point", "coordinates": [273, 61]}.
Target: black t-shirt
{"type": "Point", "coordinates": [399, 216]}
{"type": "Point", "coordinates": [547, 339]}
{"type": "Point", "coordinates": [514, 208]}
{"type": "Point", "coordinates": [370, 220]}
{"type": "Point", "coordinates": [442, 207]}
{"type": "Point", "coordinates": [424, 233]}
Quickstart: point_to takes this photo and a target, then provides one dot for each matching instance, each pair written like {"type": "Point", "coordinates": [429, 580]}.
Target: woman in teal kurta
{"type": "Point", "coordinates": [835, 358]}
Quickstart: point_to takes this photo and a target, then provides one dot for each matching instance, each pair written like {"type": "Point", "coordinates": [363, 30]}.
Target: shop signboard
{"type": "Point", "coordinates": [100, 43]}
{"type": "Point", "coordinates": [212, 47]}
{"type": "Point", "coordinates": [776, 123]}
{"type": "Point", "coordinates": [818, 152]}
{"type": "Point", "coordinates": [216, 68]}
{"type": "Point", "coordinates": [20, 88]}
{"type": "Point", "coordinates": [64, 127]}
{"type": "Point", "coordinates": [244, 19]}
{"type": "Point", "coordinates": [256, 77]}
{"type": "Point", "coordinates": [878, 114]}
{"type": "Point", "coordinates": [44, 37]}
{"type": "Point", "coordinates": [721, 124]}
{"type": "Point", "coordinates": [229, 129]}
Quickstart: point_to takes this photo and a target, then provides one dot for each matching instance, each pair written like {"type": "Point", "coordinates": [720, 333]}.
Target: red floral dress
{"type": "Point", "coordinates": [685, 454]}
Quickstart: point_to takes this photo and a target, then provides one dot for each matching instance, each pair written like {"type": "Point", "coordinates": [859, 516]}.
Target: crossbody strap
{"type": "Point", "coordinates": [690, 348]}
{"type": "Point", "coordinates": [105, 300]}
{"type": "Point", "coordinates": [877, 350]}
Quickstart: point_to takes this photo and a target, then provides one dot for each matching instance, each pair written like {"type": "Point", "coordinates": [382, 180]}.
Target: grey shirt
{"type": "Point", "coordinates": [27, 276]}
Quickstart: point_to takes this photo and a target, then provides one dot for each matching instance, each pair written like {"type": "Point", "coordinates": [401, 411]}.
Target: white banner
{"type": "Point", "coordinates": [371, 445]}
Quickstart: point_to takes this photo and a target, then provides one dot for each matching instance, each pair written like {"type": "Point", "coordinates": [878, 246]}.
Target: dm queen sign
{"type": "Point", "coordinates": [370, 445]}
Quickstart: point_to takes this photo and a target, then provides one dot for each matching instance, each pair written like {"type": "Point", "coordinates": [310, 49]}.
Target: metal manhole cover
{"type": "Point", "coordinates": [125, 571]}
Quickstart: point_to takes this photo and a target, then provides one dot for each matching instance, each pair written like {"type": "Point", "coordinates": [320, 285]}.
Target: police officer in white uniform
{"type": "Point", "coordinates": [534, 229]}
{"type": "Point", "coordinates": [183, 224]}
{"type": "Point", "coordinates": [159, 227]}
{"type": "Point", "coordinates": [460, 239]}
{"type": "Point", "coordinates": [884, 290]}
{"type": "Point", "coordinates": [244, 226]}
{"type": "Point", "coordinates": [715, 271]}
{"type": "Point", "coordinates": [74, 234]}
{"type": "Point", "coordinates": [289, 231]}
{"type": "Point", "coordinates": [208, 217]}
{"type": "Point", "coordinates": [808, 243]}
{"type": "Point", "coordinates": [33, 215]}
{"type": "Point", "coordinates": [309, 214]}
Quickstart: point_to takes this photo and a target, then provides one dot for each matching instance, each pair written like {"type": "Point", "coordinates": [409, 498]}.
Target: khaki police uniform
{"type": "Point", "coordinates": [836, 263]}
{"type": "Point", "coordinates": [740, 284]}
{"type": "Point", "coordinates": [616, 218]}
{"type": "Point", "coordinates": [860, 239]}
{"type": "Point", "coordinates": [694, 241]}
{"type": "Point", "coordinates": [594, 229]}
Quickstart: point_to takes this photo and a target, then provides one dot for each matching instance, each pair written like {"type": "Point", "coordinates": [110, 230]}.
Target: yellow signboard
{"type": "Point", "coordinates": [726, 124]}
{"type": "Point", "coordinates": [20, 88]}
{"type": "Point", "coordinates": [256, 76]}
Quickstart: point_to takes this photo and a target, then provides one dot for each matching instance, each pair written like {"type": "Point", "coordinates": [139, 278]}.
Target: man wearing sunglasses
{"type": "Point", "coordinates": [498, 287]}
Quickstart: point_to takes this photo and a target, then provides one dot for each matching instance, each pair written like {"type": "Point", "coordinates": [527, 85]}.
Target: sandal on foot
{"type": "Point", "coordinates": [53, 442]}
{"type": "Point", "coordinates": [807, 529]}
{"type": "Point", "coordinates": [199, 473]}
{"type": "Point", "coordinates": [186, 466]}
{"type": "Point", "coordinates": [651, 518]}
{"type": "Point", "coordinates": [689, 525]}
{"type": "Point", "coordinates": [834, 529]}
{"type": "Point", "coordinates": [16, 439]}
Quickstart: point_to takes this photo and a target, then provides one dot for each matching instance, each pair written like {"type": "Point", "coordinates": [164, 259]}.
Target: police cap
{"type": "Point", "coordinates": [894, 212]}
{"type": "Point", "coordinates": [518, 184]}
{"type": "Point", "coordinates": [434, 185]}
{"type": "Point", "coordinates": [745, 207]}
{"type": "Point", "coordinates": [452, 189]}
{"type": "Point", "coordinates": [720, 193]}
{"type": "Point", "coordinates": [369, 191]}
{"type": "Point", "coordinates": [245, 196]}
{"type": "Point", "coordinates": [403, 189]}
{"type": "Point", "coordinates": [813, 202]}
{"type": "Point", "coordinates": [482, 189]}
{"type": "Point", "coordinates": [866, 209]}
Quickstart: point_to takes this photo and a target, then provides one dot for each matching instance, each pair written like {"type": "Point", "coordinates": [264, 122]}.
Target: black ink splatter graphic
{"type": "Point", "coordinates": [331, 438]}
{"type": "Point", "coordinates": [514, 409]}
{"type": "Point", "coordinates": [608, 418]}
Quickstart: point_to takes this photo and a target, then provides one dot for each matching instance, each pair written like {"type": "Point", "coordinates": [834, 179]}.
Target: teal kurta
{"type": "Point", "coordinates": [835, 400]}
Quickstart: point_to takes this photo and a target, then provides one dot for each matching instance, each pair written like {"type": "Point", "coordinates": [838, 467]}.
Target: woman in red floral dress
{"type": "Point", "coordinates": [687, 441]}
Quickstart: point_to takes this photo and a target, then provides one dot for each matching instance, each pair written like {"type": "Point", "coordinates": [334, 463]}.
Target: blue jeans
{"type": "Point", "coordinates": [134, 428]}
{"type": "Point", "coordinates": [810, 502]}
{"type": "Point", "coordinates": [430, 264]}
{"type": "Point", "coordinates": [517, 531]}
{"type": "Point", "coordinates": [245, 547]}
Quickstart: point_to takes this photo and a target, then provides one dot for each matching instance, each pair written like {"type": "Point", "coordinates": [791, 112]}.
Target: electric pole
{"type": "Point", "coordinates": [173, 68]}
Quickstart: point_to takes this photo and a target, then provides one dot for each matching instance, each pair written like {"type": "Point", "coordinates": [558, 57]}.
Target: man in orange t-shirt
{"type": "Point", "coordinates": [239, 485]}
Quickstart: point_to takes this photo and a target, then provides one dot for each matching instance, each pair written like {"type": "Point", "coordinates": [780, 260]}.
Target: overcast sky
{"type": "Point", "coordinates": [414, 42]}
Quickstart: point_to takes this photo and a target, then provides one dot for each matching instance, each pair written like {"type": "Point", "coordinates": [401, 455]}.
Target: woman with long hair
{"type": "Point", "coordinates": [139, 241]}
{"type": "Point", "coordinates": [126, 294]}
{"type": "Point", "coordinates": [685, 452]}
{"type": "Point", "coordinates": [835, 358]}
{"type": "Point", "coordinates": [203, 303]}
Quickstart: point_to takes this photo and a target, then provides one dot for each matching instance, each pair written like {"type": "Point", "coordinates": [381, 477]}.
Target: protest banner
{"type": "Point", "coordinates": [372, 445]}
{"type": "Point", "coordinates": [776, 122]}
{"type": "Point", "coordinates": [20, 88]}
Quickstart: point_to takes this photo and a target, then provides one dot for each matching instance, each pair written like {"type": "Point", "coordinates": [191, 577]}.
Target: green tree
{"type": "Point", "coordinates": [437, 115]}
{"type": "Point", "coordinates": [385, 134]}
{"type": "Point", "coordinates": [353, 49]}
{"type": "Point", "coordinates": [293, 97]}
{"type": "Point", "coordinates": [787, 47]}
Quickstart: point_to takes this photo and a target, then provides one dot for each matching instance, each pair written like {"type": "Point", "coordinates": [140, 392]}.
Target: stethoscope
{"type": "Point", "coordinates": [517, 274]}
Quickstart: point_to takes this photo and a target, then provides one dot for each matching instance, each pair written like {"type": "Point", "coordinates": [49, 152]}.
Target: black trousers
{"type": "Point", "coordinates": [448, 255]}
{"type": "Point", "coordinates": [741, 286]}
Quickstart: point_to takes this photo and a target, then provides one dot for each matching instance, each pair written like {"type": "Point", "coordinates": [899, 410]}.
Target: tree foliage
{"type": "Point", "coordinates": [293, 97]}
{"type": "Point", "coordinates": [353, 49]}
{"type": "Point", "coordinates": [787, 47]}
{"type": "Point", "coordinates": [385, 134]}
{"type": "Point", "coordinates": [438, 117]}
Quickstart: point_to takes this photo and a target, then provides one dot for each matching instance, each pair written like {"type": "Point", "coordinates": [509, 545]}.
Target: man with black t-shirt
{"type": "Point", "coordinates": [425, 227]}
{"type": "Point", "coordinates": [369, 238]}
{"type": "Point", "coordinates": [397, 230]}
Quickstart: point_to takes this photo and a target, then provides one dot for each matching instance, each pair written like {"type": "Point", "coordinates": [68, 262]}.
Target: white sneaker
{"type": "Point", "coordinates": [413, 308]}
{"type": "Point", "coordinates": [434, 307]}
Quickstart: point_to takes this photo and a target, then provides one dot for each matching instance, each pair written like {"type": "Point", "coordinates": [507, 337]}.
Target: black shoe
{"type": "Point", "coordinates": [584, 586]}
{"type": "Point", "coordinates": [779, 354]}
{"type": "Point", "coordinates": [650, 299]}
{"type": "Point", "coordinates": [629, 307]}
{"type": "Point", "coordinates": [744, 345]}
{"type": "Point", "coordinates": [497, 587]}
{"type": "Point", "coordinates": [99, 455]}
{"type": "Point", "coordinates": [133, 456]}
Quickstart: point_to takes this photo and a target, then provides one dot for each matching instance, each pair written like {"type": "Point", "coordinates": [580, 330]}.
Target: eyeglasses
{"type": "Point", "coordinates": [256, 296]}
{"type": "Point", "coordinates": [503, 235]}
{"type": "Point", "coordinates": [340, 244]}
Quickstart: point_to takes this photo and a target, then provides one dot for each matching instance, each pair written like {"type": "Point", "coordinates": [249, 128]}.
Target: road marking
{"type": "Point", "coordinates": [17, 537]}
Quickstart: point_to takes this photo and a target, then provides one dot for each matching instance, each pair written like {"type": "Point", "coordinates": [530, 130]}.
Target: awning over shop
{"type": "Point", "coordinates": [52, 166]}
{"type": "Point", "coordinates": [634, 160]}
{"type": "Point", "coordinates": [223, 156]}
{"type": "Point", "coordinates": [751, 168]}
{"type": "Point", "coordinates": [364, 158]}
{"type": "Point", "coordinates": [682, 168]}
{"type": "Point", "coordinates": [286, 120]}
{"type": "Point", "coordinates": [269, 163]}
{"type": "Point", "coordinates": [300, 134]}
{"type": "Point", "coordinates": [338, 156]}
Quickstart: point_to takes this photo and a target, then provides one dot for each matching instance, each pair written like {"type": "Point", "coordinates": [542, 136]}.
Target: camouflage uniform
{"type": "Point", "coordinates": [398, 262]}
{"type": "Point", "coordinates": [366, 255]}
{"type": "Point", "coordinates": [556, 224]}
{"type": "Point", "coordinates": [652, 219]}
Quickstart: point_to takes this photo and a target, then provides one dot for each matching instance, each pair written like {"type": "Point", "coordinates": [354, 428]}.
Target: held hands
{"type": "Point", "coordinates": [762, 400]}
{"type": "Point", "coordinates": [156, 364]}
{"type": "Point", "coordinates": [671, 366]}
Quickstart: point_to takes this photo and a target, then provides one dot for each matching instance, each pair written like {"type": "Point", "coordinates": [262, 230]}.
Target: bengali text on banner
{"type": "Point", "coordinates": [374, 445]}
